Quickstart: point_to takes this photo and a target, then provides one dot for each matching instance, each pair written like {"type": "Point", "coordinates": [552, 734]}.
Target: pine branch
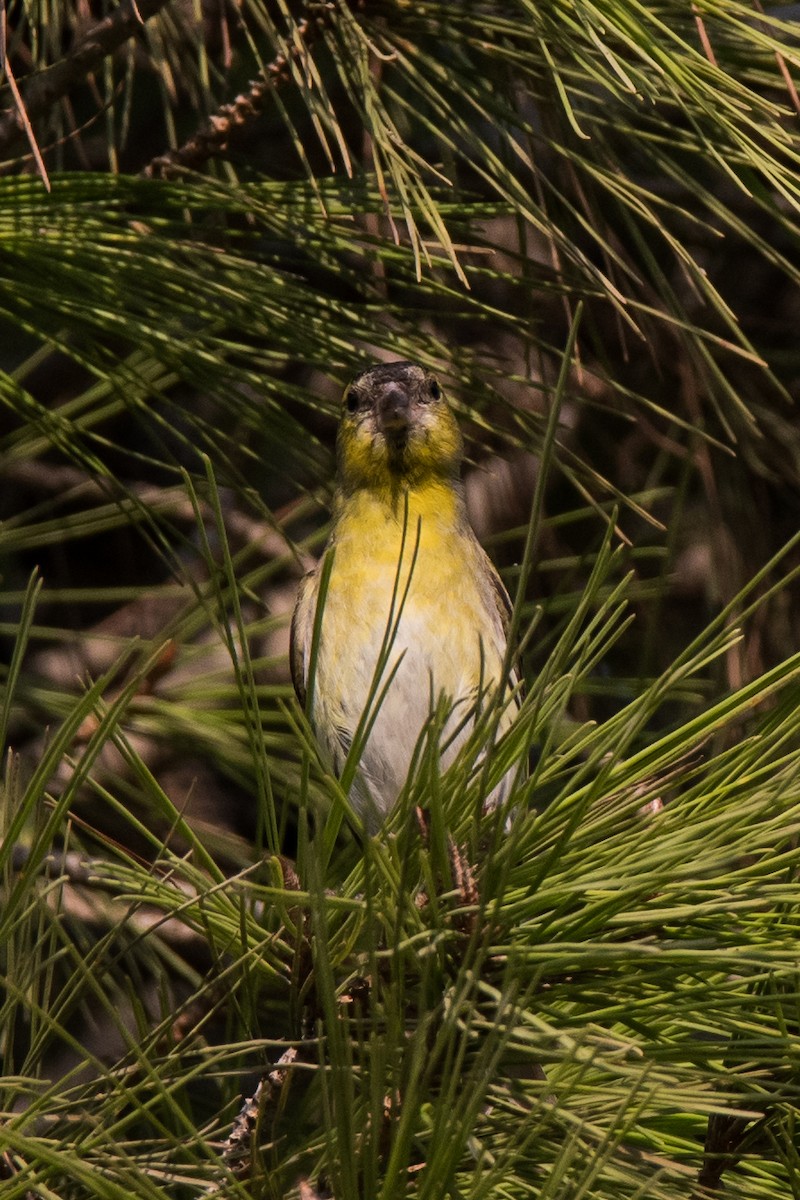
{"type": "Point", "coordinates": [102, 39]}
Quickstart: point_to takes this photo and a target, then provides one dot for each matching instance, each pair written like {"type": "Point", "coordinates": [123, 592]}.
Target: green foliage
{"type": "Point", "coordinates": [585, 218]}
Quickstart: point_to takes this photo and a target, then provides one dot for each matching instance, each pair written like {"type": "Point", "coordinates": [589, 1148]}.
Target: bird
{"type": "Point", "coordinates": [404, 612]}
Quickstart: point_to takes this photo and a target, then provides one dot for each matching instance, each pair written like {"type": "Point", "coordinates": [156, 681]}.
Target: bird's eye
{"type": "Point", "coordinates": [351, 401]}
{"type": "Point", "coordinates": [435, 390]}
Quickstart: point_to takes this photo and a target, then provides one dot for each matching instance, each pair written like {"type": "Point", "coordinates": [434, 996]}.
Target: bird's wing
{"type": "Point", "coordinates": [503, 608]}
{"type": "Point", "coordinates": [302, 631]}
{"type": "Point", "coordinates": [502, 600]}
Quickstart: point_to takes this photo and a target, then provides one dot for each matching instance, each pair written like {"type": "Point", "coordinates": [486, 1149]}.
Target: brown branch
{"type": "Point", "coordinates": [213, 137]}
{"type": "Point", "coordinates": [41, 90]}
{"type": "Point", "coordinates": [72, 484]}
{"type": "Point", "coordinates": [88, 896]}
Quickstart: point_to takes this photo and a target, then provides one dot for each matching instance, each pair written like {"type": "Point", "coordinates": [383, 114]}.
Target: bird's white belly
{"type": "Point", "coordinates": [443, 648]}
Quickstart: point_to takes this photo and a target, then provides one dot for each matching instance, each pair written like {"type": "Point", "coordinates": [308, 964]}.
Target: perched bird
{"type": "Point", "coordinates": [413, 611]}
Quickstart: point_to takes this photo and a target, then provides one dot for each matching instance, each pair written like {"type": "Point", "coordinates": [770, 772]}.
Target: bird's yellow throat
{"type": "Point", "coordinates": [371, 524]}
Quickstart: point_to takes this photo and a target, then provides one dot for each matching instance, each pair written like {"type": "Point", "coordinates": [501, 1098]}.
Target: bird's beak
{"type": "Point", "coordinates": [394, 411]}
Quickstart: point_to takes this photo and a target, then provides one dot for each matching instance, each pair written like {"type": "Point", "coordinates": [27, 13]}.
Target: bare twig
{"type": "Point", "coordinates": [41, 90]}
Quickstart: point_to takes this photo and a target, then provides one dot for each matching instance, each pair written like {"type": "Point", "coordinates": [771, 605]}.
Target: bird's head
{"type": "Point", "coordinates": [396, 430]}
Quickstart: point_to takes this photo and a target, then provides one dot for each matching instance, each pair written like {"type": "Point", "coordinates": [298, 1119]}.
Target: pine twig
{"type": "Point", "coordinates": [237, 1152]}
{"type": "Point", "coordinates": [213, 138]}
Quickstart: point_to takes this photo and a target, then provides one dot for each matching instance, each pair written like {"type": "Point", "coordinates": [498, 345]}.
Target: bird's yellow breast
{"type": "Point", "coordinates": [409, 582]}
{"type": "Point", "coordinates": [413, 567]}
{"type": "Point", "coordinates": [415, 541]}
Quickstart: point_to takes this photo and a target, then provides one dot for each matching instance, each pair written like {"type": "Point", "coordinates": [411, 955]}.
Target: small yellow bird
{"type": "Point", "coordinates": [413, 609]}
